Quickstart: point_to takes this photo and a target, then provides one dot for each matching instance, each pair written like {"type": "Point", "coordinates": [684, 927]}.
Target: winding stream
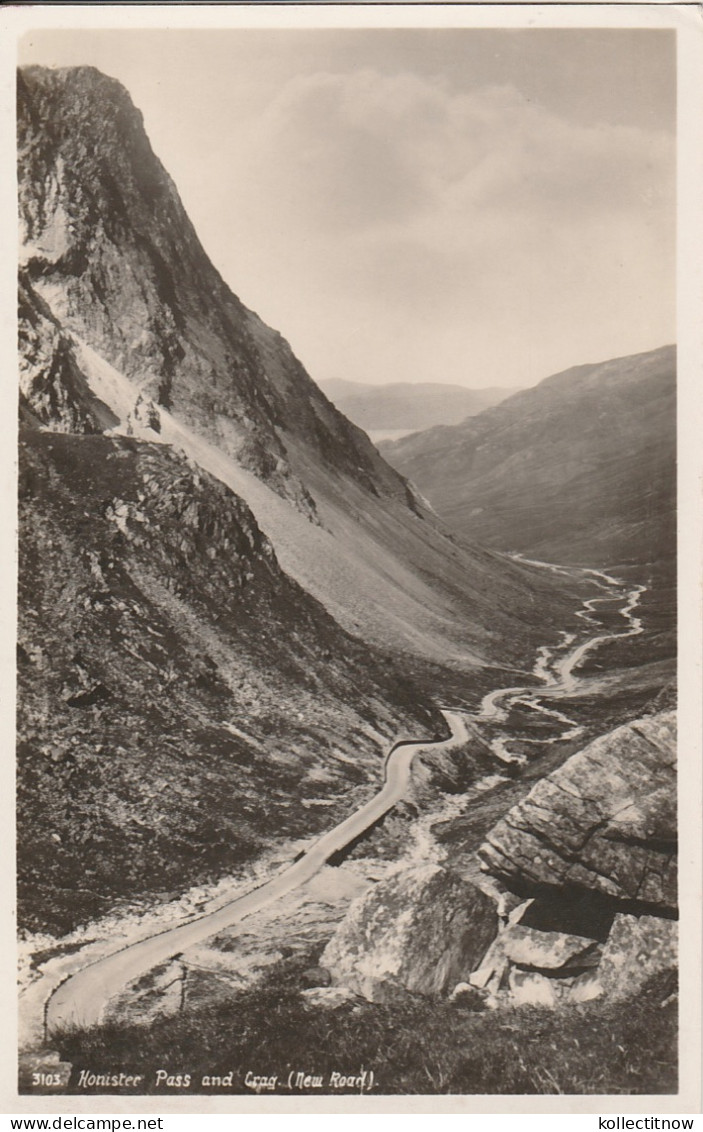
{"type": "Point", "coordinates": [557, 665]}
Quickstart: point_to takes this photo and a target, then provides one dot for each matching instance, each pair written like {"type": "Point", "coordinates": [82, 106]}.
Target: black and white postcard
{"type": "Point", "coordinates": [348, 601]}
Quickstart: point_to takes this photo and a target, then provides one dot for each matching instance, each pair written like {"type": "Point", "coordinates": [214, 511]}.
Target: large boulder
{"type": "Point", "coordinates": [638, 947]}
{"type": "Point", "coordinates": [604, 821]}
{"type": "Point", "coordinates": [420, 931]}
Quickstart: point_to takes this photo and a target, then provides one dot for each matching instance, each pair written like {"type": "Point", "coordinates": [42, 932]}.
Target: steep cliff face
{"type": "Point", "coordinates": [107, 239]}
{"type": "Point", "coordinates": [54, 392]}
{"type": "Point", "coordinates": [112, 261]}
{"type": "Point", "coordinates": [182, 703]}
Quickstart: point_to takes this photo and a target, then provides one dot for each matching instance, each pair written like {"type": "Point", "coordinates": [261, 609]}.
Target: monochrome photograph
{"type": "Point", "coordinates": [346, 653]}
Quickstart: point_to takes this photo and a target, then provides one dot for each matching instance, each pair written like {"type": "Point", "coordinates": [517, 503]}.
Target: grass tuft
{"type": "Point", "coordinates": [419, 1047]}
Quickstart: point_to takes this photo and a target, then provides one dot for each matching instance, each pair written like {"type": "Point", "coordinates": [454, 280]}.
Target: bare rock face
{"type": "Point", "coordinates": [105, 235]}
{"type": "Point", "coordinates": [549, 951]}
{"type": "Point", "coordinates": [604, 821]}
{"type": "Point", "coordinates": [530, 966]}
{"type": "Point", "coordinates": [637, 948]}
{"type": "Point", "coordinates": [421, 931]}
{"type": "Point", "coordinates": [53, 390]}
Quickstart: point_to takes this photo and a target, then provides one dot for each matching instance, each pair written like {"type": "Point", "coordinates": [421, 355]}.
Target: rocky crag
{"type": "Point", "coordinates": [417, 932]}
{"type": "Point", "coordinates": [605, 822]}
{"type": "Point", "coordinates": [119, 301]}
{"type": "Point", "coordinates": [582, 875]}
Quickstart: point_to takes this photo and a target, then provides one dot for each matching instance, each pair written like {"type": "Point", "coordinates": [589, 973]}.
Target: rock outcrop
{"type": "Point", "coordinates": [420, 931]}
{"type": "Point", "coordinates": [604, 821]}
{"type": "Point", "coordinates": [54, 392]}
{"type": "Point", "coordinates": [537, 966]}
{"type": "Point", "coordinates": [637, 948]}
{"type": "Point", "coordinates": [120, 302]}
{"type": "Point", "coordinates": [527, 966]}
{"type": "Point", "coordinates": [551, 951]}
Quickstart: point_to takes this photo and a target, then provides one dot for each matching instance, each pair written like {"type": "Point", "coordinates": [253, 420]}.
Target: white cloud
{"type": "Point", "coordinates": [370, 149]}
{"type": "Point", "coordinates": [481, 206]}
{"type": "Point", "coordinates": [479, 229]}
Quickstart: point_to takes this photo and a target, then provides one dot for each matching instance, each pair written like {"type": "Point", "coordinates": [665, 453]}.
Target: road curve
{"type": "Point", "coordinates": [81, 999]}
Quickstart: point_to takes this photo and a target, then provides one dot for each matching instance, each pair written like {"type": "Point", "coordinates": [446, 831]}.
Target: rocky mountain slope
{"type": "Point", "coordinates": [114, 275]}
{"type": "Point", "coordinates": [408, 406]}
{"type": "Point", "coordinates": [581, 468]}
{"type": "Point", "coordinates": [182, 702]}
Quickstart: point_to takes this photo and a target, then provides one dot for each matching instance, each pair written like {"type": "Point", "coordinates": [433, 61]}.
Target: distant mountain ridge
{"type": "Point", "coordinates": [408, 406]}
{"type": "Point", "coordinates": [580, 468]}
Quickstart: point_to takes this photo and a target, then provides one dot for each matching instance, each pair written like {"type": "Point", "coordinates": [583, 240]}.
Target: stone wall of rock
{"type": "Point", "coordinates": [604, 821]}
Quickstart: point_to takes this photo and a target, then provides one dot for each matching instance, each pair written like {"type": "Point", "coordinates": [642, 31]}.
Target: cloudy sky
{"type": "Point", "coordinates": [476, 206]}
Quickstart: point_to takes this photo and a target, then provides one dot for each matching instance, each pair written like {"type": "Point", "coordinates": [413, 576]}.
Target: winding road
{"type": "Point", "coordinates": [81, 999]}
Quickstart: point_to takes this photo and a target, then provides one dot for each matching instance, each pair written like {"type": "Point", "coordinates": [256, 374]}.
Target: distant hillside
{"type": "Point", "coordinates": [406, 407]}
{"type": "Point", "coordinates": [581, 468]}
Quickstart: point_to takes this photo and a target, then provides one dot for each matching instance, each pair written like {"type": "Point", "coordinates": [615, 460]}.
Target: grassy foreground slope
{"type": "Point", "coordinates": [424, 1047]}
